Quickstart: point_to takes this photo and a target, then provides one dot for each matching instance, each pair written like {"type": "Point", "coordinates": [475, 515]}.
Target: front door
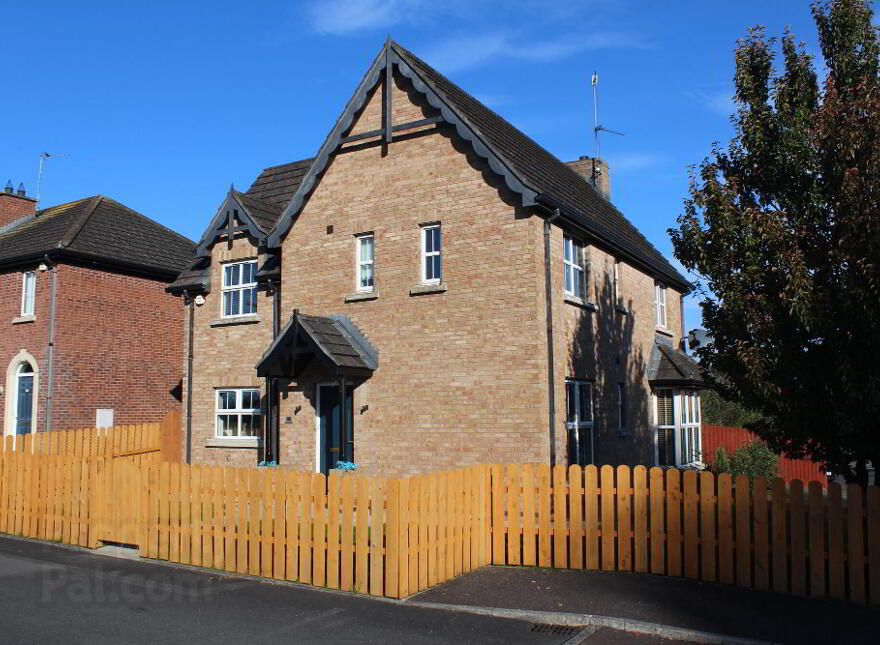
{"type": "Point", "coordinates": [331, 446]}
{"type": "Point", "coordinates": [24, 404]}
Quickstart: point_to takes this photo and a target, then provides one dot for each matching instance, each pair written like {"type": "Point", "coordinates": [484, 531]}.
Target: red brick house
{"type": "Point", "coordinates": [90, 335]}
{"type": "Point", "coordinates": [432, 289]}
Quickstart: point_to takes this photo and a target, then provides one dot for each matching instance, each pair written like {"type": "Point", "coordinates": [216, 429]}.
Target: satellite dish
{"type": "Point", "coordinates": [200, 300]}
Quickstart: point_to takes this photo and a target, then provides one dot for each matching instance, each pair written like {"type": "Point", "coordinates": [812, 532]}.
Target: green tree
{"type": "Point", "coordinates": [783, 229]}
{"type": "Point", "coordinates": [717, 410]}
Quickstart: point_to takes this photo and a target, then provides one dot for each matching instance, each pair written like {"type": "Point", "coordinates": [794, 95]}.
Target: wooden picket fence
{"type": "Point", "coordinates": [394, 537]}
{"type": "Point", "coordinates": [139, 443]}
{"type": "Point", "coordinates": [384, 537]}
{"type": "Point", "coordinates": [49, 497]}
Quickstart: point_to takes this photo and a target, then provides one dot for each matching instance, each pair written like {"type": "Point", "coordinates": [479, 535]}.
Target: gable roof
{"type": "Point", "coordinates": [334, 340]}
{"type": "Point", "coordinates": [263, 203]}
{"type": "Point", "coordinates": [526, 167]}
{"type": "Point", "coordinates": [98, 229]}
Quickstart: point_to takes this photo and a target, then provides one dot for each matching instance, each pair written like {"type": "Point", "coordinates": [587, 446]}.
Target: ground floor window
{"type": "Point", "coordinates": [677, 416]}
{"type": "Point", "coordinates": [579, 421]}
{"type": "Point", "coordinates": [238, 412]}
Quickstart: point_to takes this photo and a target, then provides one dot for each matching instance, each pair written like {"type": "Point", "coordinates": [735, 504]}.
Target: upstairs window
{"type": "Point", "coordinates": [238, 413]}
{"type": "Point", "coordinates": [660, 304]}
{"type": "Point", "coordinates": [575, 275]}
{"type": "Point", "coordinates": [28, 293]}
{"type": "Point", "coordinates": [239, 289]}
{"type": "Point", "coordinates": [364, 259]}
{"type": "Point", "coordinates": [432, 254]}
{"type": "Point", "coordinates": [618, 295]}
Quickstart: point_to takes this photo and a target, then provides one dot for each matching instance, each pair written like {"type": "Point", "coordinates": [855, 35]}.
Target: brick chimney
{"type": "Point", "coordinates": [595, 171]}
{"type": "Point", "coordinates": [15, 204]}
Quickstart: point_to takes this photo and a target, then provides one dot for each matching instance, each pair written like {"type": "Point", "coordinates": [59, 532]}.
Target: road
{"type": "Point", "coordinates": [53, 594]}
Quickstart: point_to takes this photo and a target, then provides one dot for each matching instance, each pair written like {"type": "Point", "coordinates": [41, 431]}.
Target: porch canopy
{"type": "Point", "coordinates": [334, 341]}
{"type": "Point", "coordinates": [672, 367]}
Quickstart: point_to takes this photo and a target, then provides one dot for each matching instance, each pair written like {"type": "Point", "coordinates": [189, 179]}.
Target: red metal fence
{"type": "Point", "coordinates": [733, 438]}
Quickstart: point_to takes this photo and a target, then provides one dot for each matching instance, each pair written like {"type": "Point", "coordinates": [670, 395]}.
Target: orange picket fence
{"type": "Point", "coordinates": [394, 537]}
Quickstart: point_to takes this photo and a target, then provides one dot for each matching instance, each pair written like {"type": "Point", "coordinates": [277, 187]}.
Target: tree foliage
{"type": "Point", "coordinates": [783, 229]}
{"type": "Point", "coordinates": [717, 410]}
{"type": "Point", "coordinates": [754, 459]}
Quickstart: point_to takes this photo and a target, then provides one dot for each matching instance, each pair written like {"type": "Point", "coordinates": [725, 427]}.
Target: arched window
{"type": "Point", "coordinates": [25, 368]}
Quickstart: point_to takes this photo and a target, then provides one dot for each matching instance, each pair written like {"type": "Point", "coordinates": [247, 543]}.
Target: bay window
{"type": "Point", "coordinates": [678, 427]}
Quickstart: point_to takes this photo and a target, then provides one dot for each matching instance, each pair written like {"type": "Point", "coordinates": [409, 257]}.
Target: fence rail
{"type": "Point", "coordinates": [394, 537]}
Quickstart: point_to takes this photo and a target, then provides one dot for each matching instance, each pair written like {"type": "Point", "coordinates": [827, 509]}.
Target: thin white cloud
{"type": "Point", "coordinates": [720, 102]}
{"type": "Point", "coordinates": [342, 17]}
{"type": "Point", "coordinates": [466, 51]}
{"type": "Point", "coordinates": [635, 161]}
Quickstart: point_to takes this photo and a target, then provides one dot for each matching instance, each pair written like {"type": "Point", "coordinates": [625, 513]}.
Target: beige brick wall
{"type": "Point", "coordinates": [224, 356]}
{"type": "Point", "coordinates": [462, 375]}
{"type": "Point", "coordinates": [607, 347]}
{"type": "Point", "coordinates": [459, 371]}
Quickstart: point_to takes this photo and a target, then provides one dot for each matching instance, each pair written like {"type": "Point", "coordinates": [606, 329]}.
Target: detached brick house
{"type": "Point", "coordinates": [90, 337]}
{"type": "Point", "coordinates": [469, 297]}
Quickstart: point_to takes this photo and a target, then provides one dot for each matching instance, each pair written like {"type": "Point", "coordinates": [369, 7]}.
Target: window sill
{"type": "Point", "coordinates": [362, 295]}
{"type": "Point", "coordinates": [424, 289]}
{"type": "Point", "coordinates": [231, 442]}
{"type": "Point", "coordinates": [578, 302]}
{"type": "Point", "coordinates": [664, 331]}
{"type": "Point", "coordinates": [236, 320]}
{"type": "Point", "coordinates": [23, 319]}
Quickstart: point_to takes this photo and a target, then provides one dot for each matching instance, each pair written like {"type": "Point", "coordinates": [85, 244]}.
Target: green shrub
{"type": "Point", "coordinates": [754, 459]}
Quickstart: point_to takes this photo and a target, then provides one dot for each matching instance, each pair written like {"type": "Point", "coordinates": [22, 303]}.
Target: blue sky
{"type": "Point", "coordinates": [161, 105]}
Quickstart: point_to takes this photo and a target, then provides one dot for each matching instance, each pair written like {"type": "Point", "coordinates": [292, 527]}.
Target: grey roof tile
{"type": "Point", "coordinates": [103, 229]}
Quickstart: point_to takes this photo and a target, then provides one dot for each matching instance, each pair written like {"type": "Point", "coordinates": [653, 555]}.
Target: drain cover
{"type": "Point", "coordinates": [556, 630]}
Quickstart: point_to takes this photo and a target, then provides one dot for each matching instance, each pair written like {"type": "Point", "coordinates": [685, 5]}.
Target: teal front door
{"type": "Point", "coordinates": [332, 447]}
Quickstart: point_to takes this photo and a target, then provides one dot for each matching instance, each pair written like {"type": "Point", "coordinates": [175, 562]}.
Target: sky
{"type": "Point", "coordinates": [161, 105]}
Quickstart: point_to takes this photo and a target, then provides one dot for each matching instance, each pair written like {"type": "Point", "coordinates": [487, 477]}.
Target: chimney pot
{"type": "Point", "coordinates": [21, 192]}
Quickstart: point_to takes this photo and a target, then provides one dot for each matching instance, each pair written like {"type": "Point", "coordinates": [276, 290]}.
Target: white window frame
{"type": "Point", "coordinates": [660, 305]}
{"type": "Point", "coordinates": [28, 292]}
{"type": "Point", "coordinates": [574, 264]}
{"type": "Point", "coordinates": [687, 428]}
{"type": "Point", "coordinates": [425, 254]}
{"type": "Point", "coordinates": [241, 288]}
{"type": "Point", "coordinates": [690, 441]}
{"type": "Point", "coordinates": [580, 426]}
{"type": "Point", "coordinates": [238, 411]}
{"type": "Point", "coordinates": [359, 262]}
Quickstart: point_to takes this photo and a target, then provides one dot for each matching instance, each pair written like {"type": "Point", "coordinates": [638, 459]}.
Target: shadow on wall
{"type": "Point", "coordinates": [604, 351]}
